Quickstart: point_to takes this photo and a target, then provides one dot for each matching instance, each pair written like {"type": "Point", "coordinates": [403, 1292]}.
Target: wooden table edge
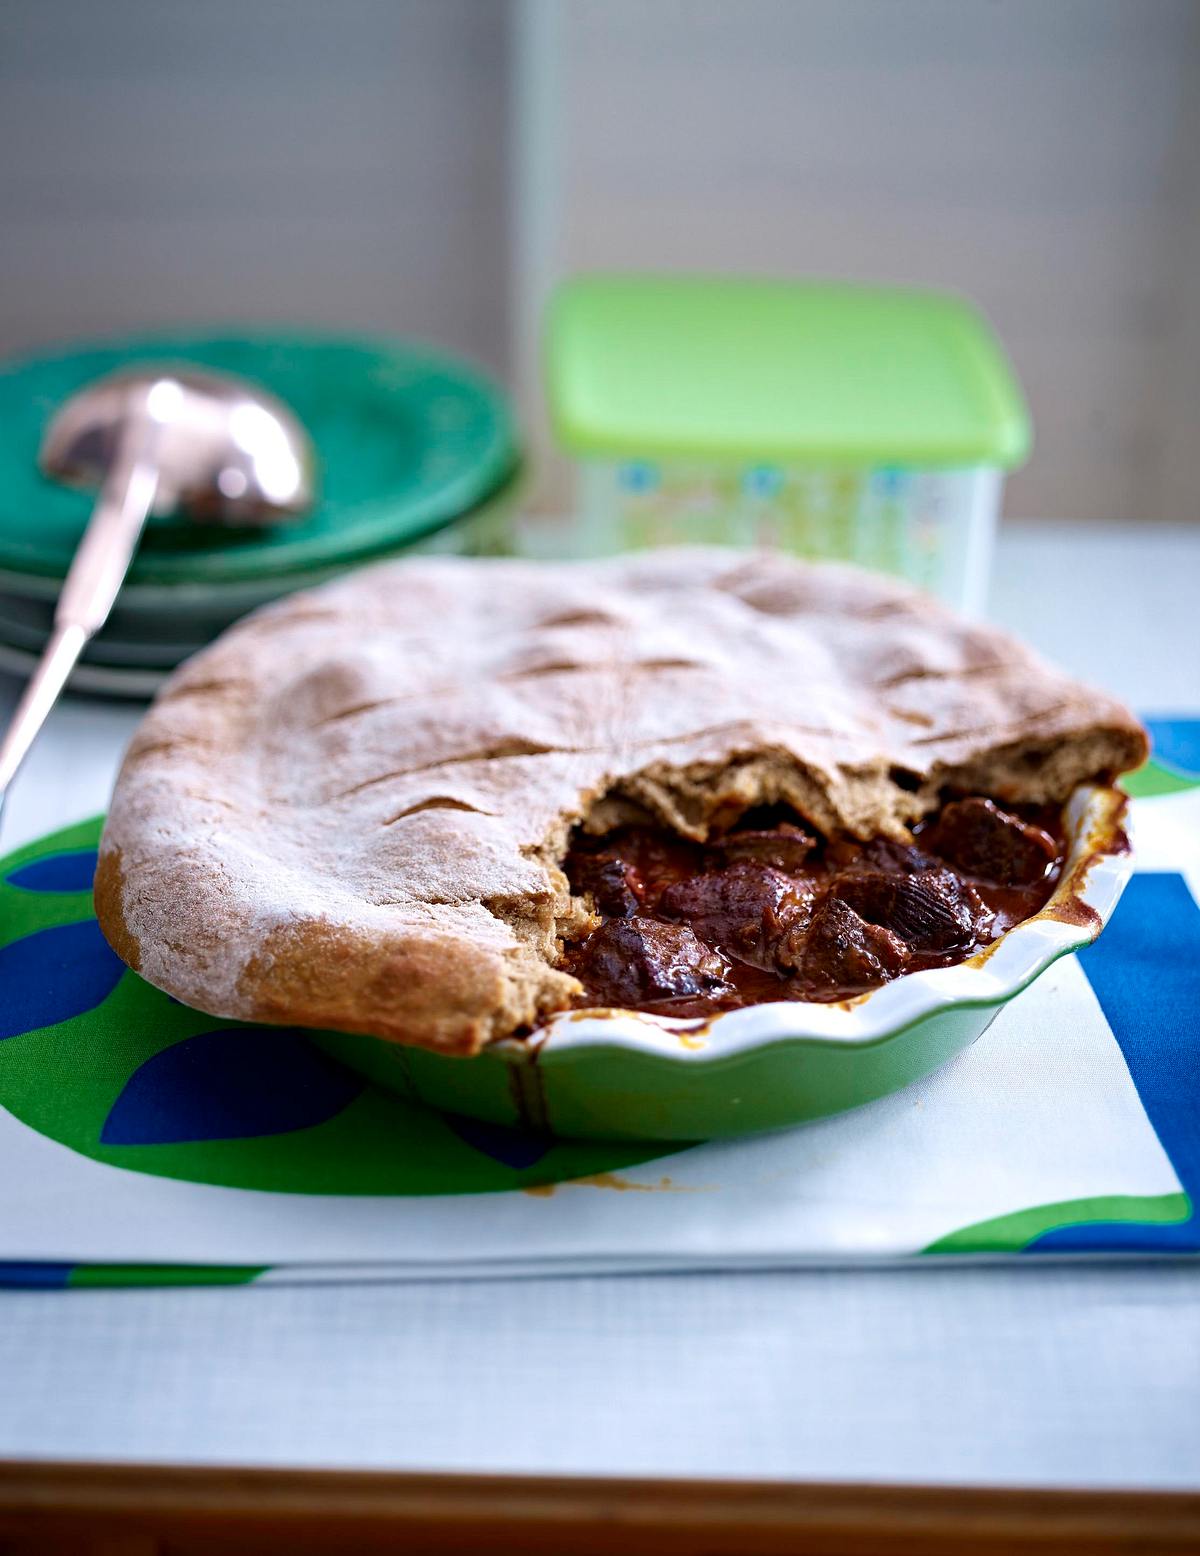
{"type": "Point", "coordinates": [135, 1508]}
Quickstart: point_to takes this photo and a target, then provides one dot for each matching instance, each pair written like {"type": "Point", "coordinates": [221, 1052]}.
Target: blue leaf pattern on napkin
{"type": "Point", "coordinates": [229, 1084]}
{"type": "Point", "coordinates": [1176, 742]}
{"type": "Point", "coordinates": [57, 872]}
{"type": "Point", "coordinates": [55, 974]}
{"type": "Point", "coordinates": [511, 1147]}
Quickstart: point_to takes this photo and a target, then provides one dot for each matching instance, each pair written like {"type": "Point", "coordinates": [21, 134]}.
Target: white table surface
{"type": "Point", "coordinates": [1049, 1375]}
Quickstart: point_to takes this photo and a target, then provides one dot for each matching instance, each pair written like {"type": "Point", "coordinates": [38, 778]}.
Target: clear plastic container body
{"type": "Point", "coordinates": [933, 527]}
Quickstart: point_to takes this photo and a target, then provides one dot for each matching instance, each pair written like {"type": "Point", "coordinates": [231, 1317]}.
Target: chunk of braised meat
{"type": "Point", "coordinates": [785, 847]}
{"type": "Point", "coordinates": [613, 882]}
{"type": "Point", "coordinates": [932, 910]}
{"type": "Point", "coordinates": [631, 961]}
{"type": "Point", "coordinates": [981, 839]}
{"type": "Point", "coordinates": [627, 872]}
{"type": "Point", "coordinates": [879, 853]}
{"type": "Point", "coordinates": [744, 909]}
{"type": "Point", "coordinates": [840, 950]}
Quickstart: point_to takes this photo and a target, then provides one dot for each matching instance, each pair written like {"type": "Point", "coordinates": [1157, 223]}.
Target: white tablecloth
{"type": "Point", "coordinates": [1061, 1375]}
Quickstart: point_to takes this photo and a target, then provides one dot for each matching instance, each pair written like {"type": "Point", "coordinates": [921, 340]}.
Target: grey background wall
{"type": "Point", "coordinates": [432, 166]}
{"type": "Point", "coordinates": [342, 161]}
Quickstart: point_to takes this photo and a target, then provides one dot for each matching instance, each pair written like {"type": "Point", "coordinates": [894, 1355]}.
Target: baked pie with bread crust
{"type": "Point", "coordinates": [440, 800]}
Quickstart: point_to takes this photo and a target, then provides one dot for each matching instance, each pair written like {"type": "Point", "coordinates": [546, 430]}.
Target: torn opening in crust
{"type": "Point", "coordinates": [893, 911]}
{"type": "Point", "coordinates": [691, 801]}
{"type": "Point", "coordinates": [690, 890]}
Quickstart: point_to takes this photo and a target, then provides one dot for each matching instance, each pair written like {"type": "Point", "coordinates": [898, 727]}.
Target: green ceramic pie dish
{"type": "Point", "coordinates": [611, 1074]}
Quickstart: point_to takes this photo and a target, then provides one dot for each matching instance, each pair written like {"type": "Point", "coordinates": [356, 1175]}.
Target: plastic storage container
{"type": "Point", "coordinates": [862, 423]}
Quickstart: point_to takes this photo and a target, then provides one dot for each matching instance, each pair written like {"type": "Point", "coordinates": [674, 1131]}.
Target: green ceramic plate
{"type": "Point", "coordinates": [19, 629]}
{"type": "Point", "coordinates": [407, 440]}
{"type": "Point", "coordinates": [177, 619]}
{"type": "Point", "coordinates": [628, 1075]}
{"type": "Point", "coordinates": [137, 683]}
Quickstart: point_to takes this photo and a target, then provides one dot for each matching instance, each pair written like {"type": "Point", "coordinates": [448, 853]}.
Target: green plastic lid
{"type": "Point", "coordinates": [407, 440]}
{"type": "Point", "coordinates": [810, 372]}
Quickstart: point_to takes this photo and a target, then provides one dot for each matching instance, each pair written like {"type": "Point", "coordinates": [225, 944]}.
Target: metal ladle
{"type": "Point", "coordinates": [153, 441]}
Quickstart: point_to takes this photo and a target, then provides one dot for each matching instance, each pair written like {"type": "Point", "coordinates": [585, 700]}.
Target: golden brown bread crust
{"type": "Point", "coordinates": [323, 975]}
{"type": "Point", "coordinates": [348, 811]}
{"type": "Point", "coordinates": [108, 892]}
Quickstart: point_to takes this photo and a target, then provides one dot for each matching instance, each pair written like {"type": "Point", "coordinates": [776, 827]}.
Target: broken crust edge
{"type": "Point", "coordinates": [447, 993]}
{"type": "Point", "coordinates": [872, 800]}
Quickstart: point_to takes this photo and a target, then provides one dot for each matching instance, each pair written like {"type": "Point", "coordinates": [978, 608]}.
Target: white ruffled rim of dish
{"type": "Point", "coordinates": [1098, 865]}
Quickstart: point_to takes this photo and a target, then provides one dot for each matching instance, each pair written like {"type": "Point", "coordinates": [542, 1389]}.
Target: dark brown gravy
{"type": "Point", "coordinates": [766, 912]}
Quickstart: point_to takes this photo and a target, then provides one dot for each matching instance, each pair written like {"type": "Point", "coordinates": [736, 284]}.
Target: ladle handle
{"type": "Point", "coordinates": [91, 586]}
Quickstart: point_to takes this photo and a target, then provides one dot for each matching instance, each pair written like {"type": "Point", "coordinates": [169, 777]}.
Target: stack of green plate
{"type": "Point", "coordinates": [415, 450]}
